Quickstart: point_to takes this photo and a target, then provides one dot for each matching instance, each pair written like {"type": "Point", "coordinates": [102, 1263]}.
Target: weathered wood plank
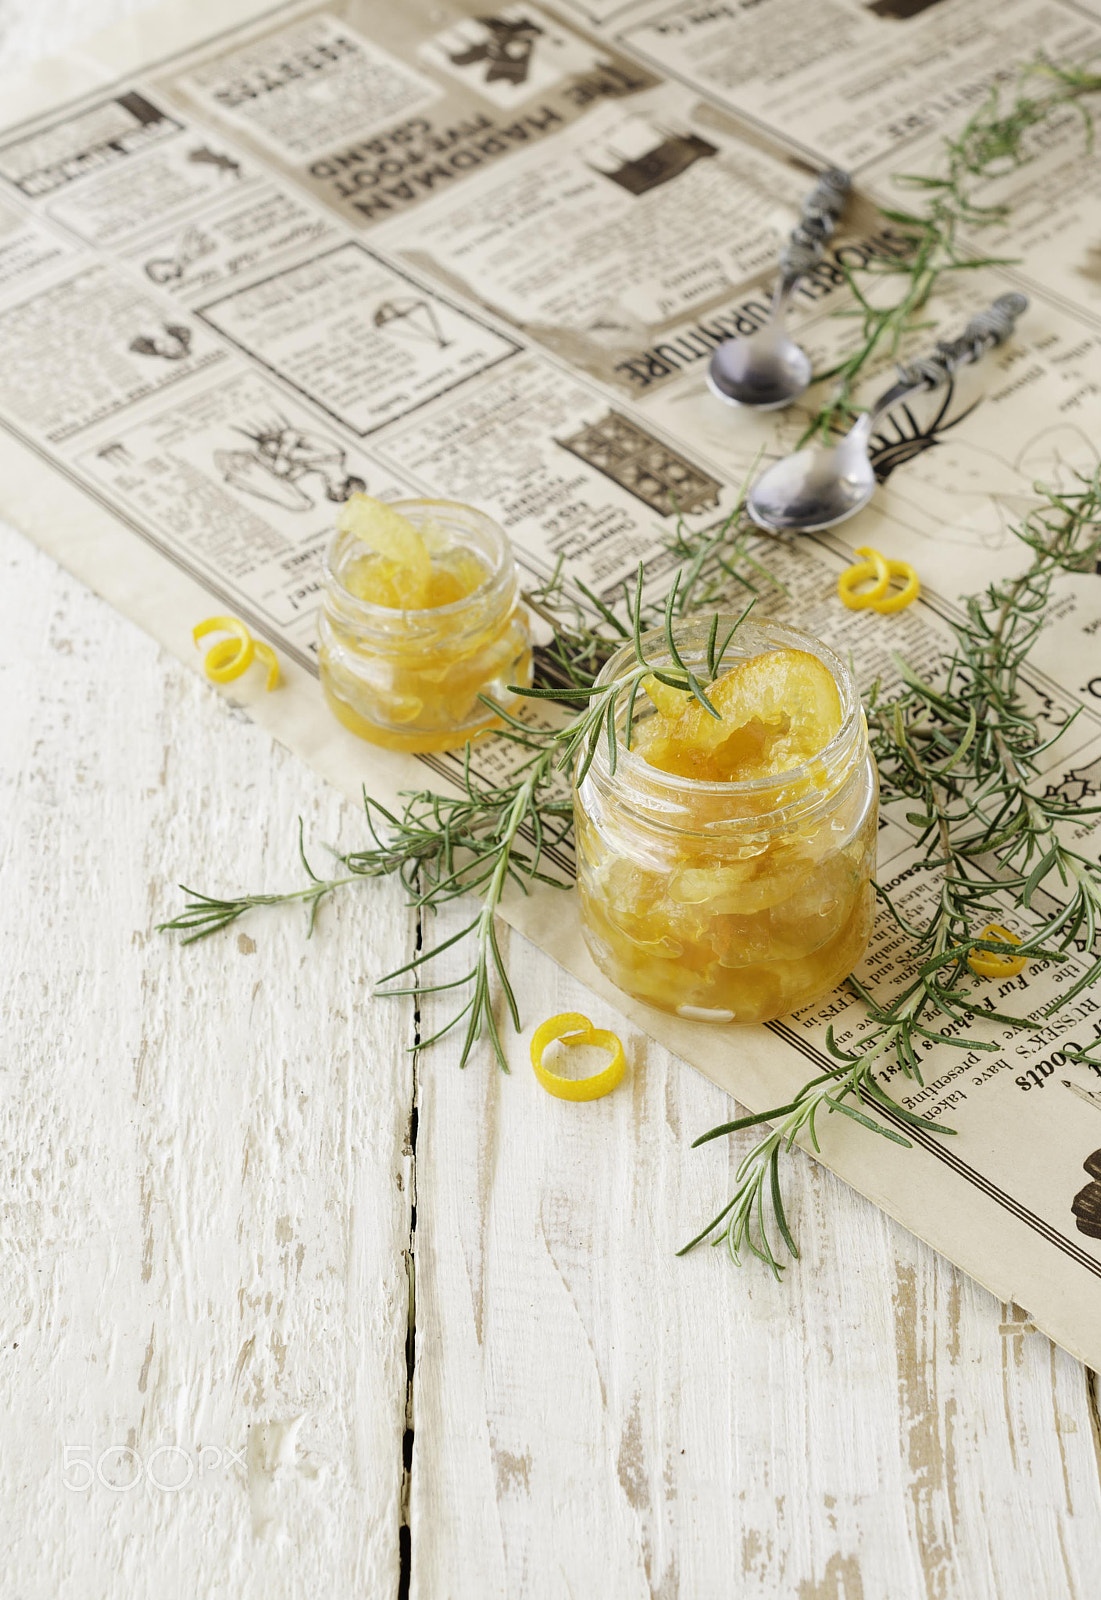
{"type": "Point", "coordinates": [594, 1416]}
{"type": "Point", "coordinates": [205, 1149]}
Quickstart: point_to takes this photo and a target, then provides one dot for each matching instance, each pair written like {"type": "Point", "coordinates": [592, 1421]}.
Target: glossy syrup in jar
{"type": "Point", "coordinates": [730, 902]}
{"type": "Point", "coordinates": [411, 679]}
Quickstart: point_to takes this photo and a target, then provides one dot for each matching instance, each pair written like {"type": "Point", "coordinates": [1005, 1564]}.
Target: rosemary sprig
{"type": "Point", "coordinates": [204, 914]}
{"type": "Point", "coordinates": [708, 565]}
{"type": "Point", "coordinates": [992, 142]}
{"type": "Point", "coordinates": [714, 563]}
{"type": "Point", "coordinates": [742, 1222]}
{"type": "Point", "coordinates": [970, 750]}
{"type": "Point", "coordinates": [490, 861]}
{"type": "Point", "coordinates": [578, 648]}
{"type": "Point", "coordinates": [442, 847]}
{"type": "Point", "coordinates": [964, 756]}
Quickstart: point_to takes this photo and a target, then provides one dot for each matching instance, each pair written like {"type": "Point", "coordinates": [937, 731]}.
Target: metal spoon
{"type": "Point", "coordinates": [767, 369]}
{"type": "Point", "coordinates": [816, 488]}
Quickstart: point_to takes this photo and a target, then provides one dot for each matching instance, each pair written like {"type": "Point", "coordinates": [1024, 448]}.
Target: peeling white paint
{"type": "Point", "coordinates": [272, 1463]}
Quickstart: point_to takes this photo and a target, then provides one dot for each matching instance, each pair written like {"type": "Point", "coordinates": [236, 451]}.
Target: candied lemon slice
{"type": "Point", "coordinates": [776, 711]}
{"type": "Point", "coordinates": [444, 588]}
{"type": "Point", "coordinates": [404, 568]}
{"type": "Point", "coordinates": [467, 568]}
{"type": "Point", "coordinates": [669, 701]}
{"type": "Point", "coordinates": [372, 578]}
{"type": "Point", "coordinates": [389, 534]}
{"type": "Point", "coordinates": [455, 577]}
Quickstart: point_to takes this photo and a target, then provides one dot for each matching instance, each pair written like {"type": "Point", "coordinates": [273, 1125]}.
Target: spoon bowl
{"type": "Point", "coordinates": [814, 489]}
{"type": "Point", "coordinates": [766, 371]}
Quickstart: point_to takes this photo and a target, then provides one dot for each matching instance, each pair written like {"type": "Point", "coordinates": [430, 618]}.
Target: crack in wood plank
{"type": "Point", "coordinates": [405, 1524]}
{"type": "Point", "coordinates": [1093, 1398]}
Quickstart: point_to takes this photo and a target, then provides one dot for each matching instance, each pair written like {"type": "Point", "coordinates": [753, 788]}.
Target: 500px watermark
{"type": "Point", "coordinates": [120, 1467]}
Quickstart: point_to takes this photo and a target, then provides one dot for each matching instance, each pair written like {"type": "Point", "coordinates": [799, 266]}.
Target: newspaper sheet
{"type": "Point", "coordinates": [252, 257]}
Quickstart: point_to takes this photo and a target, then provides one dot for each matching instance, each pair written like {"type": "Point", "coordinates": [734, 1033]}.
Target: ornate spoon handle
{"type": "Point", "coordinates": [985, 330]}
{"type": "Point", "coordinates": [820, 212]}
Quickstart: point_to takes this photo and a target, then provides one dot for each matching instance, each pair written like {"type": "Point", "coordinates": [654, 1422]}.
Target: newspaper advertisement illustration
{"type": "Point", "coordinates": [445, 103]}
{"type": "Point", "coordinates": [595, 243]}
{"type": "Point", "coordinates": [865, 80]}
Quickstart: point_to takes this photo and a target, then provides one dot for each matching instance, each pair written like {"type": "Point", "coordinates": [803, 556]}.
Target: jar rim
{"type": "Point", "coordinates": [423, 507]}
{"type": "Point", "coordinates": [769, 634]}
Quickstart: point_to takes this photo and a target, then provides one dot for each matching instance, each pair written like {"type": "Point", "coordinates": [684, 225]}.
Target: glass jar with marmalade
{"type": "Point", "coordinates": [421, 617]}
{"type": "Point", "coordinates": [724, 869]}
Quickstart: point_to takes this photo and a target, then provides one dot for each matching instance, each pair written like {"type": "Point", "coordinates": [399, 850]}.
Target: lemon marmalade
{"type": "Point", "coordinates": [724, 869]}
{"type": "Point", "coordinates": [421, 618]}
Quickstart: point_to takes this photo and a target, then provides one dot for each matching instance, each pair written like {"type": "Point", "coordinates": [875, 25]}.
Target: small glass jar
{"type": "Point", "coordinates": [730, 902]}
{"type": "Point", "coordinates": [411, 680]}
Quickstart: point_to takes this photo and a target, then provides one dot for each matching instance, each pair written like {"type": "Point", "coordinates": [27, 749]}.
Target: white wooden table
{"type": "Point", "coordinates": [225, 1169]}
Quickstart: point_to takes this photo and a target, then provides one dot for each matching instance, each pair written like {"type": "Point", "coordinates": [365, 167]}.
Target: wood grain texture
{"type": "Point", "coordinates": [595, 1417]}
{"type": "Point", "coordinates": [205, 1149]}
{"type": "Point", "coordinates": [208, 1208]}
